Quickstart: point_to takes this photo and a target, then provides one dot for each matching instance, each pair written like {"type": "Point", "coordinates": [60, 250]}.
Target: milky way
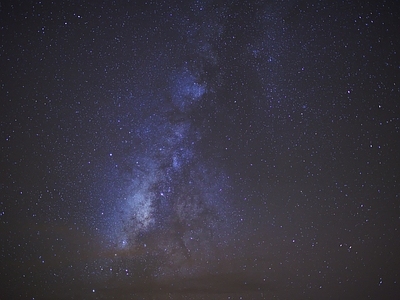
{"type": "Point", "coordinates": [170, 187]}
{"type": "Point", "coordinates": [199, 150]}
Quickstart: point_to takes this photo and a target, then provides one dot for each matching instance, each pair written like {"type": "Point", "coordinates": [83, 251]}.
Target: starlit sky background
{"type": "Point", "coordinates": [200, 149]}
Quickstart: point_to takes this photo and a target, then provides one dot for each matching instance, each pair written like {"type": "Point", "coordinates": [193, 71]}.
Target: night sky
{"type": "Point", "coordinates": [200, 150]}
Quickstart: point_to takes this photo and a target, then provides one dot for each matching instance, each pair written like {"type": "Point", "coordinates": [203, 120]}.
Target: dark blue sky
{"type": "Point", "coordinates": [200, 150]}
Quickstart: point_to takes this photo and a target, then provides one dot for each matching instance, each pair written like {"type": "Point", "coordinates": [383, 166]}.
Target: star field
{"type": "Point", "coordinates": [200, 150]}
